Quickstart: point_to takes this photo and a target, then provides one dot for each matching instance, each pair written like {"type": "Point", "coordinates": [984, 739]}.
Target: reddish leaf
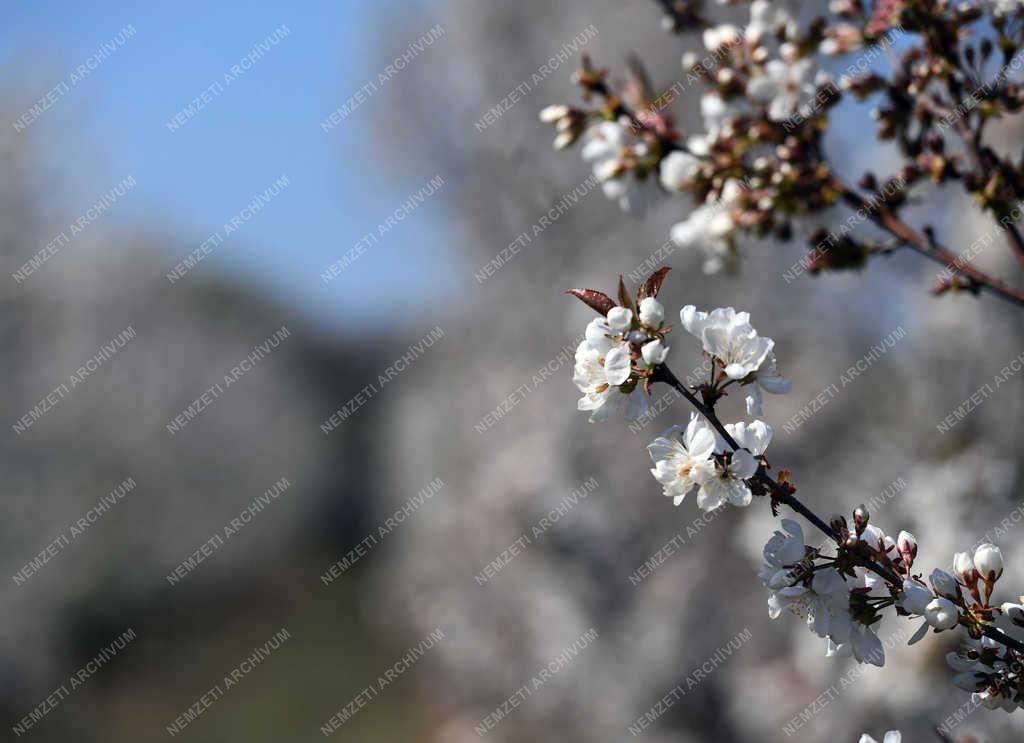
{"type": "Point", "coordinates": [624, 299]}
{"type": "Point", "coordinates": [652, 284]}
{"type": "Point", "coordinates": [597, 301]}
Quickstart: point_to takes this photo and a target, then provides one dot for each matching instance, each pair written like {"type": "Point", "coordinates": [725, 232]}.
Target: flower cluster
{"type": "Point", "coordinates": [743, 356]}
{"type": "Point", "coordinates": [758, 166]}
{"type": "Point", "coordinates": [843, 590]}
{"type": "Point", "coordinates": [697, 457]}
{"type": "Point", "coordinates": [615, 366]}
{"type": "Point", "coordinates": [844, 601]}
{"type": "Point", "coordinates": [622, 162]}
{"type": "Point", "coordinates": [619, 351]}
{"type": "Point", "coordinates": [991, 672]}
{"type": "Point", "coordinates": [838, 598]}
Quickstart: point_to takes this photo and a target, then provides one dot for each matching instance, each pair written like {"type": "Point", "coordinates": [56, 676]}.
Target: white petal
{"type": "Point", "coordinates": [709, 497]}
{"type": "Point", "coordinates": [753, 400]}
{"type": "Point", "coordinates": [743, 465]}
{"type": "Point", "coordinates": [919, 633]}
{"type": "Point", "coordinates": [636, 404]}
{"type": "Point", "coordinates": [617, 365]}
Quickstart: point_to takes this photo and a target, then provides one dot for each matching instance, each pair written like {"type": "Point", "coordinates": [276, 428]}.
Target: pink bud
{"type": "Point", "coordinates": [963, 568]}
{"type": "Point", "coordinates": [988, 561]}
{"type": "Point", "coordinates": [906, 543]}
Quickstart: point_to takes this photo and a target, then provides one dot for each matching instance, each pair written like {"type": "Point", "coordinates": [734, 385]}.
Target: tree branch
{"type": "Point", "coordinates": [781, 495]}
{"type": "Point", "coordinates": [885, 218]}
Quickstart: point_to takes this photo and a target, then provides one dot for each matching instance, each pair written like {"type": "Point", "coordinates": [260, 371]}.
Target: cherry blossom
{"type": "Point", "coordinates": [734, 468]}
{"type": "Point", "coordinates": [786, 87]}
{"type": "Point", "coordinates": [844, 591]}
{"type": "Point", "coordinates": [682, 458]}
{"type": "Point", "coordinates": [602, 368]}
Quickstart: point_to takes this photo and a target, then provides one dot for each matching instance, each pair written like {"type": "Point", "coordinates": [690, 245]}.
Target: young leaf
{"type": "Point", "coordinates": [624, 299]}
{"type": "Point", "coordinates": [652, 284]}
{"type": "Point", "coordinates": [597, 301]}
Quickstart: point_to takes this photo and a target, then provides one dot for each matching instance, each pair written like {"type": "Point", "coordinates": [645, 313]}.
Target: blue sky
{"type": "Point", "coordinates": [264, 125]}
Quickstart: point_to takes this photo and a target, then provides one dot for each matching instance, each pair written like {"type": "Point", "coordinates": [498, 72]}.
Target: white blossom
{"type": "Point", "coordinates": [605, 142]}
{"type": "Point", "coordinates": [820, 597]}
{"type": "Point", "coordinates": [783, 550]}
{"type": "Point", "coordinates": [683, 462]}
{"type": "Point", "coordinates": [652, 312]}
{"type": "Point", "coordinates": [860, 640]}
{"type": "Point", "coordinates": [1004, 7]}
{"type": "Point", "coordinates": [994, 685]}
{"type": "Point", "coordinates": [620, 318]}
{"type": "Point", "coordinates": [717, 112]}
{"type": "Point", "coordinates": [607, 146]}
{"type": "Point", "coordinates": [678, 169]}
{"type": "Point", "coordinates": [767, 17]}
{"type": "Point", "coordinates": [602, 365]}
{"type": "Point", "coordinates": [708, 228]}
{"type": "Point", "coordinates": [717, 37]}
{"type": "Point", "coordinates": [654, 353]}
{"type": "Point", "coordinates": [729, 482]}
{"type": "Point", "coordinates": [788, 88]}
{"type": "Point", "coordinates": [728, 336]}
{"type": "Point", "coordinates": [863, 645]}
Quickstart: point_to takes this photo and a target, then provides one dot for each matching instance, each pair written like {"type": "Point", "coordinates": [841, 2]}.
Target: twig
{"type": "Point", "coordinates": [885, 218]}
{"type": "Point", "coordinates": [984, 161]}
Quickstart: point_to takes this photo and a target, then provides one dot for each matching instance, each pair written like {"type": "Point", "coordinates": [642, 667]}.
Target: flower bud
{"type": "Point", "coordinates": [963, 567]}
{"type": "Point", "coordinates": [551, 114]}
{"type": "Point", "coordinates": [988, 561]}
{"type": "Point", "coordinates": [944, 584]}
{"type": "Point", "coordinates": [1015, 612]}
{"type": "Point", "coordinates": [609, 169]}
{"type": "Point", "coordinates": [654, 353]}
{"type": "Point", "coordinates": [874, 537]}
{"type": "Point", "coordinates": [620, 318]}
{"type": "Point", "coordinates": [941, 613]}
{"type": "Point", "coordinates": [837, 522]}
{"type": "Point", "coordinates": [717, 37]}
{"type": "Point", "coordinates": [906, 543]}
{"type": "Point", "coordinates": [565, 139]}
{"type": "Point", "coordinates": [651, 312]}
{"type": "Point", "coordinates": [860, 517]}
{"type": "Point", "coordinates": [914, 597]}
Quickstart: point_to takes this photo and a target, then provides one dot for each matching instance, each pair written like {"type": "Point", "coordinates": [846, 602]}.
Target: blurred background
{"type": "Point", "coordinates": [247, 241]}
